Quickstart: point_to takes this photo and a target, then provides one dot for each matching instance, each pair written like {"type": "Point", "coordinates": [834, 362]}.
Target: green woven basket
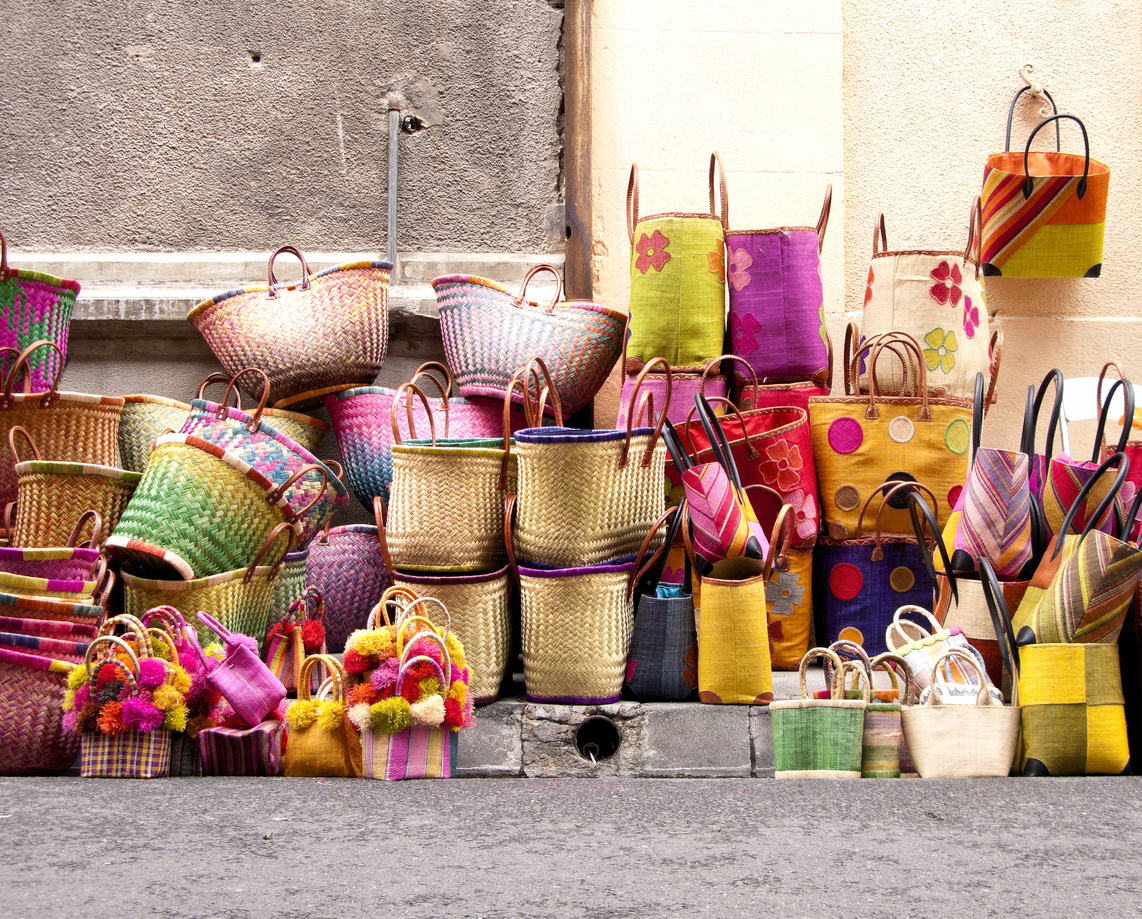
{"type": "Point", "coordinates": [199, 511]}
{"type": "Point", "coordinates": [143, 420]}
{"type": "Point", "coordinates": [289, 586]}
{"type": "Point", "coordinates": [818, 738]}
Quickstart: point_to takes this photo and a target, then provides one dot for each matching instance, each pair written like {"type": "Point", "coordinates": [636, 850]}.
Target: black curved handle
{"type": "Point", "coordinates": [1000, 617]}
{"type": "Point", "coordinates": [1127, 420]}
{"type": "Point", "coordinates": [717, 438]}
{"type": "Point", "coordinates": [1011, 115]}
{"type": "Point", "coordinates": [1028, 183]}
{"type": "Point", "coordinates": [977, 415]}
{"type": "Point", "coordinates": [1028, 445]}
{"type": "Point", "coordinates": [1118, 461]}
{"type": "Point", "coordinates": [917, 508]}
{"type": "Point", "coordinates": [678, 455]}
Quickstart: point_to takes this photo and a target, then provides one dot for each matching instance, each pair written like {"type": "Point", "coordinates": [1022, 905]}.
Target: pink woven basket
{"type": "Point", "coordinates": [489, 335]}
{"type": "Point", "coordinates": [31, 697]}
{"type": "Point", "coordinates": [50, 628]}
{"type": "Point", "coordinates": [330, 329]}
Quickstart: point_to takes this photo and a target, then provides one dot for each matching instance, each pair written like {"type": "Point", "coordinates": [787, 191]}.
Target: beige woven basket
{"type": "Point", "coordinates": [589, 497]}
{"type": "Point", "coordinates": [479, 607]}
{"type": "Point", "coordinates": [446, 500]}
{"type": "Point", "coordinates": [144, 418]}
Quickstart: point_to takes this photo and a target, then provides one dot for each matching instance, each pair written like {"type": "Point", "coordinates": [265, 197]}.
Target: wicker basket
{"type": "Point", "coordinates": [75, 591]}
{"type": "Point", "coordinates": [13, 605]}
{"type": "Point", "coordinates": [289, 585]}
{"type": "Point", "coordinates": [70, 651]}
{"type": "Point", "coordinates": [49, 628]}
{"type": "Point", "coordinates": [298, 427]}
{"type": "Point", "coordinates": [331, 329]}
{"type": "Point", "coordinates": [347, 565]}
{"type": "Point", "coordinates": [32, 688]}
{"type": "Point", "coordinates": [479, 606]}
{"type": "Point", "coordinates": [488, 335]}
{"type": "Point", "coordinates": [64, 563]}
{"type": "Point", "coordinates": [198, 511]}
{"type": "Point", "coordinates": [69, 427]}
{"type": "Point", "coordinates": [145, 418]}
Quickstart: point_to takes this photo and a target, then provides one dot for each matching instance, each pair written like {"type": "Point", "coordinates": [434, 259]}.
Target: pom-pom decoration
{"type": "Point", "coordinates": [111, 719]}
{"type": "Point", "coordinates": [361, 717]}
{"type": "Point", "coordinates": [301, 714]}
{"type": "Point", "coordinates": [313, 635]}
{"type": "Point", "coordinates": [354, 662]}
{"type": "Point", "coordinates": [363, 693]}
{"type": "Point", "coordinates": [141, 715]}
{"type": "Point", "coordinates": [391, 715]}
{"type": "Point", "coordinates": [428, 712]}
{"type": "Point", "coordinates": [152, 673]}
{"type": "Point", "coordinates": [385, 676]}
{"type": "Point", "coordinates": [175, 719]}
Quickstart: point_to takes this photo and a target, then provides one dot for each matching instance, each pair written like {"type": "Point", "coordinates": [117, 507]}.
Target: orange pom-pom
{"type": "Point", "coordinates": [363, 693]}
{"type": "Point", "coordinates": [111, 719]}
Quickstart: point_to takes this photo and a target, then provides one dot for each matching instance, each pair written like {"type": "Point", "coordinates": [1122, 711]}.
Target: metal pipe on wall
{"type": "Point", "coordinates": [394, 134]}
{"type": "Point", "coordinates": [577, 146]}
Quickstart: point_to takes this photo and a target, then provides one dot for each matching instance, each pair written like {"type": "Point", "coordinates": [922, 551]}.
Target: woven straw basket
{"type": "Point", "coordinates": [68, 650]}
{"type": "Point", "coordinates": [290, 585]}
{"type": "Point", "coordinates": [446, 512]}
{"type": "Point", "coordinates": [64, 563]}
{"type": "Point", "coordinates": [588, 497]}
{"type": "Point", "coordinates": [347, 565]}
{"type": "Point", "coordinates": [199, 510]}
{"type": "Point", "coordinates": [489, 334]}
{"type": "Point", "coordinates": [32, 688]}
{"type": "Point", "coordinates": [69, 427]}
{"type": "Point", "coordinates": [480, 610]}
{"type": "Point", "coordinates": [15, 606]}
{"type": "Point", "coordinates": [49, 628]}
{"type": "Point", "coordinates": [75, 591]}
{"type": "Point", "coordinates": [330, 329]}
{"type": "Point", "coordinates": [144, 419]}
{"type": "Point", "coordinates": [298, 427]}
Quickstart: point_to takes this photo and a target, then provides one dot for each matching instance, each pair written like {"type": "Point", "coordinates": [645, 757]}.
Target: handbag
{"type": "Point", "coordinates": [1044, 213]}
{"type": "Point", "coordinates": [329, 330]}
{"type": "Point", "coordinates": [302, 429]}
{"type": "Point", "coordinates": [862, 442]}
{"type": "Point", "coordinates": [684, 387]}
{"type": "Point", "coordinates": [488, 334]}
{"type": "Point", "coordinates": [819, 738]}
{"type": "Point", "coordinates": [296, 636]}
{"type": "Point", "coordinates": [777, 304]}
{"type": "Point", "coordinates": [255, 751]}
{"type": "Point", "coordinates": [936, 297]}
{"type": "Point", "coordinates": [1037, 471]}
{"type": "Point", "coordinates": [677, 280]}
{"type": "Point", "coordinates": [1132, 449]}
{"type": "Point", "coordinates": [241, 678]}
{"type": "Point", "coordinates": [33, 683]}
{"type": "Point", "coordinates": [663, 661]}
{"type": "Point", "coordinates": [858, 581]}
{"type": "Point", "coordinates": [321, 741]}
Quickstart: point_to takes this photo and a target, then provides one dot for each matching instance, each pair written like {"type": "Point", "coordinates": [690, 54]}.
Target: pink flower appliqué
{"type": "Point", "coordinates": [718, 261]}
{"type": "Point", "coordinates": [652, 252]}
{"type": "Point", "coordinates": [745, 329]}
{"type": "Point", "coordinates": [805, 508]}
{"type": "Point", "coordinates": [948, 278]}
{"type": "Point", "coordinates": [740, 261]}
{"type": "Point", "coordinates": [971, 318]}
{"type": "Point", "coordinates": [783, 465]}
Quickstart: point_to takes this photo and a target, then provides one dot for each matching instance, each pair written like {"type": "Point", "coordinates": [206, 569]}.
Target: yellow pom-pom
{"type": "Point", "coordinates": [428, 711]}
{"type": "Point", "coordinates": [162, 649]}
{"type": "Point", "coordinates": [69, 700]}
{"type": "Point", "coordinates": [166, 697]}
{"type": "Point", "coordinates": [329, 714]}
{"type": "Point", "coordinates": [302, 714]}
{"type": "Point", "coordinates": [175, 719]}
{"type": "Point", "coordinates": [456, 650]}
{"type": "Point", "coordinates": [181, 680]}
{"type": "Point", "coordinates": [374, 643]}
{"type": "Point", "coordinates": [391, 715]}
{"type": "Point", "coordinates": [77, 677]}
{"type": "Point", "coordinates": [429, 687]}
{"type": "Point", "coordinates": [459, 692]}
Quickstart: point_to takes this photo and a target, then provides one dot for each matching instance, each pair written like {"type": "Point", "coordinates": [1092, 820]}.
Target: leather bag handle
{"type": "Point", "coordinates": [1029, 183]}
{"type": "Point", "coordinates": [272, 292]}
{"type": "Point", "coordinates": [823, 220]}
{"type": "Point", "coordinates": [1011, 116]}
{"type": "Point", "coordinates": [716, 165]}
{"type": "Point", "coordinates": [520, 298]}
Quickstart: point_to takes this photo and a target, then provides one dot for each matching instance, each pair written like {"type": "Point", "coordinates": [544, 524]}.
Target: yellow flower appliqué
{"type": "Point", "coordinates": [941, 350]}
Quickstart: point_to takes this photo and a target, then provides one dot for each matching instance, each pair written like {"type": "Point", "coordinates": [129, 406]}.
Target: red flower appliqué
{"type": "Point", "coordinates": [745, 329]}
{"type": "Point", "coordinates": [782, 466]}
{"type": "Point", "coordinates": [868, 286]}
{"type": "Point", "coordinates": [652, 252]}
{"type": "Point", "coordinates": [948, 278]}
{"type": "Point", "coordinates": [971, 318]}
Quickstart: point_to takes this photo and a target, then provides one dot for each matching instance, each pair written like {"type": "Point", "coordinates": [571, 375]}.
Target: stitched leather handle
{"type": "Point", "coordinates": [409, 390]}
{"type": "Point", "coordinates": [272, 293]}
{"type": "Point", "coordinates": [1011, 115]}
{"type": "Point", "coordinates": [879, 235]}
{"type": "Point", "coordinates": [219, 377]}
{"type": "Point", "coordinates": [252, 424]}
{"type": "Point", "coordinates": [1029, 183]}
{"type": "Point", "coordinates": [632, 201]}
{"type": "Point", "coordinates": [925, 413]}
{"type": "Point", "coordinates": [521, 297]}
{"type": "Point", "coordinates": [47, 398]}
{"type": "Point", "coordinates": [649, 453]}
{"type": "Point", "coordinates": [823, 220]}
{"type": "Point", "coordinates": [889, 488]}
{"type": "Point", "coordinates": [96, 527]}
{"type": "Point", "coordinates": [23, 432]}
{"type": "Point", "coordinates": [975, 235]}
{"type": "Point", "coordinates": [724, 219]}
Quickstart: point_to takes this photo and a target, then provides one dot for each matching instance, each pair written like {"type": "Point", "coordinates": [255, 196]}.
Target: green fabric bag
{"type": "Point", "coordinates": [677, 281]}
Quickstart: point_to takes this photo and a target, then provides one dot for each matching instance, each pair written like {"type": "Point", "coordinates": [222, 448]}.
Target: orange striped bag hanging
{"type": "Point", "coordinates": [1044, 213]}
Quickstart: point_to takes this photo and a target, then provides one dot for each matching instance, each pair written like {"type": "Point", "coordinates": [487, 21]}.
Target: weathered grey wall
{"type": "Point", "coordinates": [211, 125]}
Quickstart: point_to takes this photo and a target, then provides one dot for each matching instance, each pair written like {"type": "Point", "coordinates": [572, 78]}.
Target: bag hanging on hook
{"type": "Point", "coordinates": [1044, 212]}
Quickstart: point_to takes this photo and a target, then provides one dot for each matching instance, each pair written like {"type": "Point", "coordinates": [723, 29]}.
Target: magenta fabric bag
{"type": "Point", "coordinates": [241, 678]}
{"type": "Point", "coordinates": [684, 387]}
{"type": "Point", "coordinates": [777, 304]}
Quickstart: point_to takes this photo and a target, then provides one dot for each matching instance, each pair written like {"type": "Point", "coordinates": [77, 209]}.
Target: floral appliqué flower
{"type": "Point", "coordinates": [971, 318]}
{"type": "Point", "coordinates": [652, 252]}
{"type": "Point", "coordinates": [805, 509]}
{"type": "Point", "coordinates": [868, 286]}
{"type": "Point", "coordinates": [745, 329]}
{"type": "Point", "coordinates": [718, 261]}
{"type": "Point", "coordinates": [783, 465]}
{"type": "Point", "coordinates": [948, 278]}
{"type": "Point", "coordinates": [784, 593]}
{"type": "Point", "coordinates": [740, 262]}
{"type": "Point", "coordinates": [941, 350]}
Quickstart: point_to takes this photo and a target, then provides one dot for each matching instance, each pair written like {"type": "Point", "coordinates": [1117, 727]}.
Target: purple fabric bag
{"type": "Point", "coordinates": [777, 304]}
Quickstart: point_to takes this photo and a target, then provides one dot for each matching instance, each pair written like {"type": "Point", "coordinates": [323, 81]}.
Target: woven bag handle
{"type": "Point", "coordinates": [975, 235]}
{"type": "Point", "coordinates": [427, 370]}
{"type": "Point", "coordinates": [519, 298]}
{"type": "Point", "coordinates": [878, 235]}
{"type": "Point", "coordinates": [276, 495]}
{"type": "Point", "coordinates": [751, 452]}
{"type": "Point", "coordinates": [271, 292]}
{"type": "Point", "coordinates": [256, 416]}
{"type": "Point", "coordinates": [23, 432]}
{"type": "Point", "coordinates": [859, 679]}
{"type": "Point", "coordinates": [509, 535]}
{"type": "Point", "coordinates": [406, 614]}
{"type": "Point", "coordinates": [889, 660]}
{"type": "Point", "coordinates": [407, 652]}
{"type": "Point", "coordinates": [889, 488]}
{"type": "Point", "coordinates": [309, 607]}
{"type": "Point", "coordinates": [872, 412]}
{"type": "Point", "coordinates": [445, 679]}
{"type": "Point", "coordinates": [390, 596]}
{"type": "Point", "coordinates": [995, 356]}
{"type": "Point", "coordinates": [332, 667]}
{"type": "Point", "coordinates": [778, 558]}
{"type": "Point", "coordinates": [98, 572]}
{"type": "Point", "coordinates": [96, 527]}
{"type": "Point", "coordinates": [961, 657]}
{"type": "Point", "coordinates": [52, 395]}
{"type": "Point", "coordinates": [9, 519]}
{"type": "Point", "coordinates": [409, 390]}
{"type": "Point", "coordinates": [168, 615]}
{"type": "Point", "coordinates": [284, 527]}
{"type": "Point", "coordinates": [823, 220]}
{"type": "Point", "coordinates": [218, 377]}
{"type": "Point", "coordinates": [649, 453]}
{"type": "Point", "coordinates": [134, 626]}
{"type": "Point", "coordinates": [4, 270]}
{"type": "Point", "coordinates": [716, 164]}
{"type": "Point", "coordinates": [111, 642]}
{"type": "Point", "coordinates": [837, 689]}
{"type": "Point", "coordinates": [217, 628]}
{"type": "Point", "coordinates": [105, 594]}
{"type": "Point", "coordinates": [847, 651]}
{"type": "Point", "coordinates": [912, 608]}
{"type": "Point", "coordinates": [632, 201]}
{"type": "Point", "coordinates": [896, 635]}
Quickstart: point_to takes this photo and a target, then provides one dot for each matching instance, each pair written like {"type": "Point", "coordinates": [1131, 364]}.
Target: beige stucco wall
{"type": "Point", "coordinates": [927, 86]}
{"type": "Point", "coordinates": [670, 82]}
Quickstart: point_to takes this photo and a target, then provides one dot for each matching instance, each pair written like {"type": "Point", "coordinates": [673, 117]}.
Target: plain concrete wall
{"type": "Point", "coordinates": [927, 87]}
{"type": "Point", "coordinates": [177, 125]}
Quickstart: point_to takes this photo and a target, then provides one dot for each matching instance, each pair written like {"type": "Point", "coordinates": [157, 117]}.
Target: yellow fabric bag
{"type": "Point", "coordinates": [322, 741]}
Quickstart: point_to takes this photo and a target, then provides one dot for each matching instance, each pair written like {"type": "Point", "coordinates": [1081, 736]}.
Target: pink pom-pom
{"type": "Point", "coordinates": [82, 696]}
{"type": "Point", "coordinates": [458, 675]}
{"type": "Point", "coordinates": [69, 721]}
{"type": "Point", "coordinates": [141, 715]}
{"type": "Point", "coordinates": [190, 662]}
{"type": "Point", "coordinates": [152, 673]}
{"type": "Point", "coordinates": [198, 689]}
{"type": "Point", "coordinates": [385, 675]}
{"type": "Point", "coordinates": [428, 649]}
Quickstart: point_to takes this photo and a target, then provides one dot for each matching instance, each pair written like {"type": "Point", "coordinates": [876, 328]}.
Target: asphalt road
{"type": "Point", "coordinates": [288, 848]}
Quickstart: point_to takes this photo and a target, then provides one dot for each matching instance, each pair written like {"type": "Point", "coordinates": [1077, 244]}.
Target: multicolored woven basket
{"type": "Point", "coordinates": [32, 688]}
{"type": "Point", "coordinates": [290, 585]}
{"type": "Point", "coordinates": [297, 426]}
{"type": "Point", "coordinates": [64, 563]}
{"type": "Point", "coordinates": [346, 564]}
{"type": "Point", "coordinates": [14, 606]}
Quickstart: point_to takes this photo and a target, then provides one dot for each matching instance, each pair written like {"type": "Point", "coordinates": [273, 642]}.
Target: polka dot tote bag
{"type": "Point", "coordinates": [860, 442]}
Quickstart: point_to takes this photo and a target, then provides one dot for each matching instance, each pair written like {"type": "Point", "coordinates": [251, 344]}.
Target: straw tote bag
{"type": "Point", "coordinates": [777, 305]}
{"type": "Point", "coordinates": [144, 418]}
{"type": "Point", "coordinates": [862, 442]}
{"type": "Point", "coordinates": [254, 751]}
{"type": "Point", "coordinates": [69, 427]}
{"type": "Point", "coordinates": [588, 497]}
{"type": "Point", "coordinates": [321, 740]}
{"type": "Point", "coordinates": [329, 330]}
{"type": "Point", "coordinates": [298, 427]}
{"type": "Point", "coordinates": [1044, 214]}
{"type": "Point", "coordinates": [937, 298]}
{"type": "Point", "coordinates": [33, 681]}
{"type": "Point", "coordinates": [677, 280]}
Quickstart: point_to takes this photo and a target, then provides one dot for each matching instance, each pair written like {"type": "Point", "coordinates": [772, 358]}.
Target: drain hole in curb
{"type": "Point", "coordinates": [597, 738]}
